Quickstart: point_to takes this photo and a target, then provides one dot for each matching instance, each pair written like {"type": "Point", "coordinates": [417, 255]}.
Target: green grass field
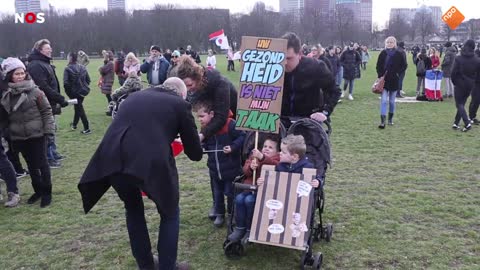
{"type": "Point", "coordinates": [406, 197]}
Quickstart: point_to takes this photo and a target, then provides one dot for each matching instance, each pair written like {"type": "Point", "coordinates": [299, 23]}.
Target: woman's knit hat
{"type": "Point", "coordinates": [10, 64]}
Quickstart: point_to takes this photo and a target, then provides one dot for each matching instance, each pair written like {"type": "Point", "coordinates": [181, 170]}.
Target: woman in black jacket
{"type": "Point", "coordinates": [465, 71]}
{"type": "Point", "coordinates": [390, 63]}
{"type": "Point", "coordinates": [211, 86]}
{"type": "Point", "coordinates": [76, 82]}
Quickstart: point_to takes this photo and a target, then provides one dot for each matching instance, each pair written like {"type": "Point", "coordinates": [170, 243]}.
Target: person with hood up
{"type": "Point", "coordinates": [465, 73]}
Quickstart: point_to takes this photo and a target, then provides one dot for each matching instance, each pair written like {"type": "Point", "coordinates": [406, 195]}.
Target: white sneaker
{"type": "Point", "coordinates": [343, 95]}
{"type": "Point", "coordinates": [350, 97]}
{"type": "Point", "coordinates": [402, 92]}
{"type": "Point", "coordinates": [13, 200]}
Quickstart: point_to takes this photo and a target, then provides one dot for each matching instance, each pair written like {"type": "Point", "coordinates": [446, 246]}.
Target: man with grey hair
{"type": "Point", "coordinates": [44, 76]}
{"type": "Point", "coordinates": [177, 85]}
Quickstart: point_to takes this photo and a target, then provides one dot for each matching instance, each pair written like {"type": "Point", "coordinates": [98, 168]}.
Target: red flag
{"type": "Point", "coordinates": [216, 35]}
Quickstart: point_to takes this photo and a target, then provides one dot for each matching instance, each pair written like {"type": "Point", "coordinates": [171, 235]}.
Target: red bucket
{"type": "Point", "coordinates": [177, 148]}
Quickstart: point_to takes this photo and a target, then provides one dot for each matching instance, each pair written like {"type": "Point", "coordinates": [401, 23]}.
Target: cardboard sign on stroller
{"type": "Point", "coordinates": [261, 84]}
{"type": "Point", "coordinates": [283, 209]}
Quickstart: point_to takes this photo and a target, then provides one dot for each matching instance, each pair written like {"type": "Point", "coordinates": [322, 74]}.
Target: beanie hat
{"type": "Point", "coordinates": [156, 48]}
{"type": "Point", "coordinates": [401, 44]}
{"type": "Point", "coordinates": [10, 64]}
{"type": "Point", "coordinates": [176, 53]}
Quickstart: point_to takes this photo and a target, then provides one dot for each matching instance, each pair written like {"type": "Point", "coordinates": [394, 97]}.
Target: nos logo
{"type": "Point", "coordinates": [30, 17]}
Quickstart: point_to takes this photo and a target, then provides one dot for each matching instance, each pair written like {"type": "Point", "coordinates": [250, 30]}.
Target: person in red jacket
{"type": "Point", "coordinates": [434, 57]}
{"type": "Point", "coordinates": [245, 201]}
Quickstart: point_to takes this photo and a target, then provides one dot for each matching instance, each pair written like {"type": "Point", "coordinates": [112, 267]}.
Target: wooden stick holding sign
{"type": "Point", "coordinates": [256, 147]}
{"type": "Point", "coordinates": [261, 83]}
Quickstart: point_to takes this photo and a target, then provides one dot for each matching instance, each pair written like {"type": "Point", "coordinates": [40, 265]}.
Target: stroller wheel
{"type": "Point", "coordinates": [305, 260]}
{"type": "Point", "coordinates": [317, 261]}
{"type": "Point", "coordinates": [226, 243]}
{"type": "Point", "coordinates": [329, 232]}
{"type": "Point", "coordinates": [234, 250]}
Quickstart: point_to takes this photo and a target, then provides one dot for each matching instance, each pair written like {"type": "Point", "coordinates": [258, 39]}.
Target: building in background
{"type": "Point", "coordinates": [116, 4]}
{"type": "Point", "coordinates": [408, 15]}
{"type": "Point", "coordinates": [362, 12]}
{"type": "Point", "coordinates": [295, 7]}
{"type": "Point", "coordinates": [24, 6]}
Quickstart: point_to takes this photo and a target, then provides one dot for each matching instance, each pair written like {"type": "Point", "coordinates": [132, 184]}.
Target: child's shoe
{"type": "Point", "coordinates": [237, 234]}
{"type": "Point", "coordinates": [219, 221]}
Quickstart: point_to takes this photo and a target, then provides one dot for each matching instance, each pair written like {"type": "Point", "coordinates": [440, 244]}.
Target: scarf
{"type": "Point", "coordinates": [390, 53]}
{"type": "Point", "coordinates": [15, 89]}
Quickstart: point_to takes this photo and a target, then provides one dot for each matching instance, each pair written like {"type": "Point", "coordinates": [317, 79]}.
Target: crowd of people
{"type": "Point", "coordinates": [177, 82]}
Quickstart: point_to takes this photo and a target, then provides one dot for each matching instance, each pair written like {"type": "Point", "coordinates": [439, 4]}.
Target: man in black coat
{"type": "Point", "coordinates": [309, 86]}
{"type": "Point", "coordinates": [44, 76]}
{"type": "Point", "coordinates": [134, 155]}
{"type": "Point", "coordinates": [465, 74]}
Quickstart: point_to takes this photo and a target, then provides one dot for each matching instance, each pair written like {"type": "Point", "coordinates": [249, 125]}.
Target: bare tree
{"type": "Point", "coordinates": [344, 23]}
{"type": "Point", "coordinates": [424, 23]}
{"type": "Point", "coordinates": [398, 27]}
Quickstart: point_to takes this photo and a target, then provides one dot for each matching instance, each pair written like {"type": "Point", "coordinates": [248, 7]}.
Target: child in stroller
{"type": "Point", "coordinates": [245, 201]}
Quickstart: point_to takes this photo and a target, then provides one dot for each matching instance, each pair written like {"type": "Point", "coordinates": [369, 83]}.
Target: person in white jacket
{"type": "Point", "coordinates": [211, 60]}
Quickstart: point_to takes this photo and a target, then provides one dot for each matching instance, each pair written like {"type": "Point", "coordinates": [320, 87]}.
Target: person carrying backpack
{"type": "Point", "coordinates": [76, 82]}
{"type": "Point", "coordinates": [423, 63]}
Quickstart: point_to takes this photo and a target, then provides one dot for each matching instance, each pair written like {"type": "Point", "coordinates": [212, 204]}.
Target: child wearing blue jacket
{"type": "Point", "coordinates": [224, 159]}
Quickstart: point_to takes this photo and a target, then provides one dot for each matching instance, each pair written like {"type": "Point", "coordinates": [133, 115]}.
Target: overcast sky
{"type": "Point", "coordinates": [381, 8]}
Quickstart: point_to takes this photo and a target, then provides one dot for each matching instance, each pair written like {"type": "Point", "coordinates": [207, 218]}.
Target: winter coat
{"type": "Point", "coordinates": [309, 88]}
{"type": "Point", "coordinates": [148, 66]}
{"type": "Point", "coordinates": [465, 72]}
{"type": "Point", "coordinates": [350, 60]}
{"type": "Point", "coordinates": [29, 112]}
{"type": "Point", "coordinates": [427, 61]}
{"type": "Point", "coordinates": [44, 76]}
{"type": "Point", "coordinates": [223, 96]}
{"type": "Point", "coordinates": [248, 172]}
{"type": "Point", "coordinates": [137, 143]}
{"type": "Point", "coordinates": [211, 61]}
{"type": "Point", "coordinates": [225, 166]}
{"type": "Point", "coordinates": [435, 61]}
{"type": "Point", "coordinates": [131, 67]}
{"type": "Point", "coordinates": [324, 58]}
{"type": "Point", "coordinates": [172, 71]}
{"type": "Point", "coordinates": [404, 55]}
{"type": "Point", "coordinates": [294, 168]}
{"type": "Point", "coordinates": [335, 63]}
{"type": "Point", "coordinates": [395, 67]}
{"type": "Point", "coordinates": [365, 57]}
{"type": "Point", "coordinates": [76, 81]}
{"type": "Point", "coordinates": [448, 61]}
{"type": "Point", "coordinates": [108, 77]}
{"type": "Point", "coordinates": [132, 84]}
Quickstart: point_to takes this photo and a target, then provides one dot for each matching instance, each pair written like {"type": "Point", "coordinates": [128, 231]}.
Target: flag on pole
{"type": "Point", "coordinates": [220, 39]}
{"type": "Point", "coordinates": [216, 35]}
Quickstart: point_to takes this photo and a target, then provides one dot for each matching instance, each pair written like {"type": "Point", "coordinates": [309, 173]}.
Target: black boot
{"type": "Point", "coordinates": [390, 119]}
{"type": "Point", "coordinates": [237, 234]}
{"type": "Point", "coordinates": [382, 123]}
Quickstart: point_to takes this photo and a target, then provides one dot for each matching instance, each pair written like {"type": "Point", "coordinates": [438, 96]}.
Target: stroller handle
{"type": "Point", "coordinates": [327, 123]}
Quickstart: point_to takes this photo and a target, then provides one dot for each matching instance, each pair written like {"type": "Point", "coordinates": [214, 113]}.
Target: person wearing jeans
{"type": "Point", "coordinates": [390, 64]}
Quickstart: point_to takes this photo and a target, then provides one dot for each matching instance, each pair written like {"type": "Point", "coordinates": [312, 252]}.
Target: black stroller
{"type": "Point", "coordinates": [318, 151]}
